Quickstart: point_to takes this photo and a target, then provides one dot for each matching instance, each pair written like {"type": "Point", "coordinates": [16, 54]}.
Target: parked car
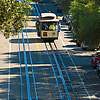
{"type": "Point", "coordinates": [95, 59]}
{"type": "Point", "coordinates": [98, 68]}
{"type": "Point", "coordinates": [67, 19]}
{"type": "Point", "coordinates": [70, 26]}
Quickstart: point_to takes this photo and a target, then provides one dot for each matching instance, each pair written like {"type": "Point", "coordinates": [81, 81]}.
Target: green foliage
{"type": "Point", "coordinates": [86, 22]}
{"type": "Point", "coordinates": [65, 5]}
{"type": "Point", "coordinates": [12, 14]}
{"type": "Point", "coordinates": [97, 2]}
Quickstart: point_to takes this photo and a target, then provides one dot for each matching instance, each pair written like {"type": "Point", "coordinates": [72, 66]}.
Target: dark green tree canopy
{"type": "Point", "coordinates": [86, 20]}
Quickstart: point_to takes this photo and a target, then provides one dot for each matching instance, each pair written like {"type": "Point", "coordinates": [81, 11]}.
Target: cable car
{"type": "Point", "coordinates": [48, 26]}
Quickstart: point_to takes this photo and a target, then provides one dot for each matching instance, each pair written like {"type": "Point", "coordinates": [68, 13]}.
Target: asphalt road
{"type": "Point", "coordinates": [77, 61]}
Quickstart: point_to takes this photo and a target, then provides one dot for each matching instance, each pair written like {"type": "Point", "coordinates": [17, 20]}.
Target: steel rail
{"type": "Point", "coordinates": [60, 72]}
{"type": "Point", "coordinates": [26, 69]}
{"type": "Point", "coordinates": [31, 64]}
{"type": "Point", "coordinates": [20, 69]}
{"type": "Point", "coordinates": [63, 81]}
{"type": "Point", "coordinates": [53, 69]}
{"type": "Point", "coordinates": [66, 71]}
{"type": "Point", "coordinates": [76, 69]}
{"type": "Point", "coordinates": [54, 73]}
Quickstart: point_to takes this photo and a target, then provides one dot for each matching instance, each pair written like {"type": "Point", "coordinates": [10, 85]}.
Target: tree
{"type": "Point", "coordinates": [97, 2]}
{"type": "Point", "coordinates": [12, 14]}
{"type": "Point", "coordinates": [65, 5]}
{"type": "Point", "coordinates": [86, 22]}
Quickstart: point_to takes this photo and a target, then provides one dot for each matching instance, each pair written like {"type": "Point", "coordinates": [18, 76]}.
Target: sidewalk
{"type": "Point", "coordinates": [4, 66]}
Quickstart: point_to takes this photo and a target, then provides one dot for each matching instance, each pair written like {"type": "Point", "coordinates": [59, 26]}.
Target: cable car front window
{"type": "Point", "coordinates": [49, 26]}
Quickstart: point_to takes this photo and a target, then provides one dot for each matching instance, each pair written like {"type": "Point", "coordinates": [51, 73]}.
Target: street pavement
{"type": "Point", "coordinates": [78, 64]}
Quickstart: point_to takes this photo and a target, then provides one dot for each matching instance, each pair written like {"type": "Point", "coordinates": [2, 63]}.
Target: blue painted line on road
{"type": "Point", "coordinates": [63, 81]}
{"type": "Point", "coordinates": [54, 70]}
{"type": "Point", "coordinates": [68, 76]}
{"type": "Point", "coordinates": [26, 69]}
{"type": "Point", "coordinates": [35, 13]}
{"type": "Point", "coordinates": [55, 76]}
{"type": "Point", "coordinates": [31, 64]}
{"type": "Point", "coordinates": [57, 81]}
{"type": "Point", "coordinates": [76, 69]}
{"type": "Point", "coordinates": [20, 70]}
{"type": "Point", "coordinates": [37, 9]}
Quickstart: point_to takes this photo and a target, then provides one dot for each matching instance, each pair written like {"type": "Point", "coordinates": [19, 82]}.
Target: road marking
{"type": "Point", "coordinates": [9, 67]}
{"type": "Point", "coordinates": [75, 68]}
{"type": "Point", "coordinates": [50, 94]}
{"type": "Point", "coordinates": [47, 81]}
{"type": "Point", "coordinates": [38, 46]}
{"type": "Point", "coordinates": [45, 78]}
{"type": "Point", "coordinates": [26, 68]}
{"type": "Point", "coordinates": [19, 65]}
{"type": "Point", "coordinates": [31, 23]}
{"type": "Point", "coordinates": [31, 64]}
{"type": "Point", "coordinates": [60, 72]}
{"type": "Point", "coordinates": [54, 73]}
{"type": "Point", "coordinates": [44, 73]}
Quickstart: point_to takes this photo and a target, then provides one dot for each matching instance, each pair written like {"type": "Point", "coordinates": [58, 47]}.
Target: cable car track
{"type": "Point", "coordinates": [64, 82]}
{"type": "Point", "coordinates": [29, 88]}
{"type": "Point", "coordinates": [59, 75]}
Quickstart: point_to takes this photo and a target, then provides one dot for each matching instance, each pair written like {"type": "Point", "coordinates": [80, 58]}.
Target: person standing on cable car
{"type": "Point", "coordinates": [51, 27]}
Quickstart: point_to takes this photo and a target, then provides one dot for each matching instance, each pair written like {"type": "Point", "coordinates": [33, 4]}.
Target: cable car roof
{"type": "Point", "coordinates": [48, 15]}
{"type": "Point", "coordinates": [53, 20]}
